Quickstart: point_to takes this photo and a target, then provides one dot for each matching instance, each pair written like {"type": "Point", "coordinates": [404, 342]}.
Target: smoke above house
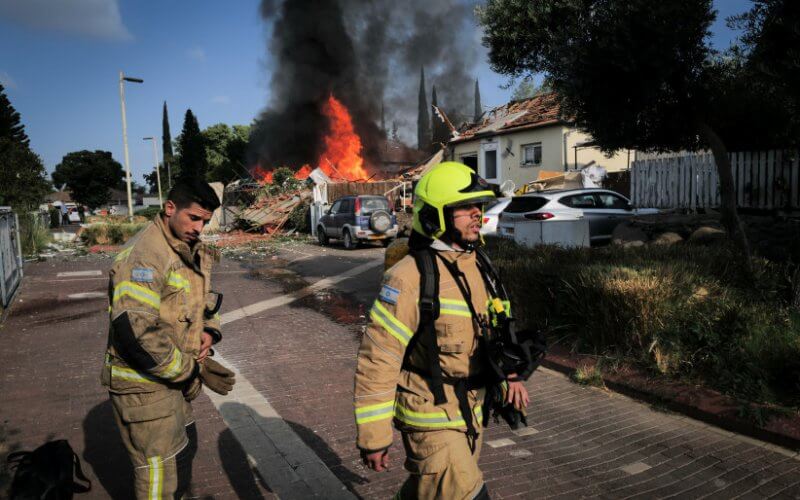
{"type": "Point", "coordinates": [366, 53]}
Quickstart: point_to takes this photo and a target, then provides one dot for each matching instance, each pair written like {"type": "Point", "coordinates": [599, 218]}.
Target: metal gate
{"type": "Point", "coordinates": [10, 255]}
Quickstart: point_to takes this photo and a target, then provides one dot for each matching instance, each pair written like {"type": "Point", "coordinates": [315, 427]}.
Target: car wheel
{"type": "Point", "coordinates": [348, 240]}
{"type": "Point", "coordinates": [321, 236]}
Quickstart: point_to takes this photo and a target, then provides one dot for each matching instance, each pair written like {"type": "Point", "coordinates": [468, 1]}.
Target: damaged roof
{"type": "Point", "coordinates": [538, 111]}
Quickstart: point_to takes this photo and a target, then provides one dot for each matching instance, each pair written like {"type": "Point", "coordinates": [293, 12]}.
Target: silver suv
{"type": "Point", "coordinates": [358, 218]}
{"type": "Point", "coordinates": [603, 209]}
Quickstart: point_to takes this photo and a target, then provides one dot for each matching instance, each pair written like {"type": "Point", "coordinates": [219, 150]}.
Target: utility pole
{"type": "Point", "coordinates": [158, 171]}
{"type": "Point", "coordinates": [122, 80]}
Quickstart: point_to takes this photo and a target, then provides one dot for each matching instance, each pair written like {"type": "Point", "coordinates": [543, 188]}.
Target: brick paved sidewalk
{"type": "Point", "coordinates": [51, 350]}
{"type": "Point", "coordinates": [582, 441]}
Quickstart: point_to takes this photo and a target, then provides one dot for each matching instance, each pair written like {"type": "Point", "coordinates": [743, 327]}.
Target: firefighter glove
{"type": "Point", "coordinates": [216, 377]}
{"type": "Point", "coordinates": [192, 389]}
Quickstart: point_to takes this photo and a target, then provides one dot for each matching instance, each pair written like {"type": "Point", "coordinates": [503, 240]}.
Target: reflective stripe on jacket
{"type": "Point", "coordinates": [161, 284]}
{"type": "Point", "coordinates": [383, 391]}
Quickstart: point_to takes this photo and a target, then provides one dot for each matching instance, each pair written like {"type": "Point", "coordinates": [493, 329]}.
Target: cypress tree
{"type": "Point", "coordinates": [10, 125]}
{"type": "Point", "coordinates": [193, 161]}
{"type": "Point", "coordinates": [166, 142]}
{"type": "Point", "coordinates": [423, 122]}
{"type": "Point", "coordinates": [478, 107]}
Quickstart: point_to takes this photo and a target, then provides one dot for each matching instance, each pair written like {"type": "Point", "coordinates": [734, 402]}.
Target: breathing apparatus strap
{"type": "Point", "coordinates": [428, 314]}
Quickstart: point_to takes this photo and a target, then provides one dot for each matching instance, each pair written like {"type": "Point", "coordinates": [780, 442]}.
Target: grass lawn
{"type": "Point", "coordinates": [683, 312]}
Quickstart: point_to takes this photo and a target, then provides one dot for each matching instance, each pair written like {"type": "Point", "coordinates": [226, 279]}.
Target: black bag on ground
{"type": "Point", "coordinates": [50, 472]}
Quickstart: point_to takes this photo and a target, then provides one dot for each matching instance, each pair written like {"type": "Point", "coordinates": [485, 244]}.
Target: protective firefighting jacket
{"type": "Point", "coordinates": [157, 293]}
{"type": "Point", "coordinates": [388, 389]}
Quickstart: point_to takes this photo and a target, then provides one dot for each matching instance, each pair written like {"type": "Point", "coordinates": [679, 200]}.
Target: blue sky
{"type": "Point", "coordinates": [60, 63]}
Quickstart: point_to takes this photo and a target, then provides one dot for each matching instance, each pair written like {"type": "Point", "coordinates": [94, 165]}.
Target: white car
{"type": "Point", "coordinates": [492, 215]}
{"type": "Point", "coordinates": [603, 209]}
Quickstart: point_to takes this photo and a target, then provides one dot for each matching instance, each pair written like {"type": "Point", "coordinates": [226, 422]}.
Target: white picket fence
{"type": "Point", "coordinates": [762, 179]}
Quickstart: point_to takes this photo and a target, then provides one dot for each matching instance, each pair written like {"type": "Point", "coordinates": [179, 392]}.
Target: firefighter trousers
{"type": "Point", "coordinates": [160, 436]}
{"type": "Point", "coordinates": [442, 465]}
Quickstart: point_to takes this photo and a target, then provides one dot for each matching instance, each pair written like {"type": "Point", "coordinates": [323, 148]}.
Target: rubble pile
{"type": "Point", "coordinates": [270, 214]}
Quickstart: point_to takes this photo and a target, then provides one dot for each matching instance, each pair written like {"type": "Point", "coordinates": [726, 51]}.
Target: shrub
{"type": "Point", "coordinates": [149, 213]}
{"type": "Point", "coordinates": [300, 218]}
{"type": "Point", "coordinates": [33, 233]}
{"type": "Point", "coordinates": [682, 311]}
{"type": "Point", "coordinates": [110, 234]}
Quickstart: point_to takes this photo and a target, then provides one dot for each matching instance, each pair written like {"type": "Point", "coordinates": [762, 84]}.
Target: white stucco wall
{"type": "Point", "coordinates": [552, 140]}
{"type": "Point", "coordinates": [617, 162]}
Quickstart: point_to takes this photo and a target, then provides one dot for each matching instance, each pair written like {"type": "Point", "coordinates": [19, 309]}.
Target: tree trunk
{"type": "Point", "coordinates": [796, 290]}
{"type": "Point", "coordinates": [727, 191]}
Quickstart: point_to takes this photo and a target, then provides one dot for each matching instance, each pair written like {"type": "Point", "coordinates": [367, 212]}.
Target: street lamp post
{"type": "Point", "coordinates": [158, 172]}
{"type": "Point", "coordinates": [122, 80]}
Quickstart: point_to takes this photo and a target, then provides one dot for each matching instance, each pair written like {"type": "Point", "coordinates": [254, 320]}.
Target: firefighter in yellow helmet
{"type": "Point", "coordinates": [421, 363]}
{"type": "Point", "coordinates": [163, 322]}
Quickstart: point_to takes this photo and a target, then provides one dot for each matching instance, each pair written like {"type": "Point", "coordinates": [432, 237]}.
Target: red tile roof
{"type": "Point", "coordinates": [537, 111]}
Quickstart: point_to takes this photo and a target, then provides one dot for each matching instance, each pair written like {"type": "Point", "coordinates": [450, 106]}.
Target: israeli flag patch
{"type": "Point", "coordinates": [389, 294]}
{"type": "Point", "coordinates": [142, 275]}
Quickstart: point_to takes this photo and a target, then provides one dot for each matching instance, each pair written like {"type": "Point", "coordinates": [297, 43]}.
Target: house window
{"type": "Point", "coordinates": [490, 164]}
{"type": "Point", "coordinates": [532, 154]}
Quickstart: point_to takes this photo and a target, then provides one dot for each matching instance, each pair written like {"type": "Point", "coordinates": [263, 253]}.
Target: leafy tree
{"type": "Point", "coordinates": [166, 147]}
{"type": "Point", "coordinates": [634, 74]}
{"type": "Point", "coordinates": [423, 121]}
{"type": "Point", "coordinates": [152, 182]}
{"type": "Point", "coordinates": [225, 149]}
{"type": "Point", "coordinates": [89, 175]}
{"type": "Point", "coordinates": [191, 147]}
{"type": "Point", "coordinates": [478, 108]}
{"type": "Point", "coordinates": [771, 35]}
{"type": "Point", "coordinates": [527, 88]}
{"type": "Point", "coordinates": [22, 176]}
{"type": "Point", "coordinates": [10, 125]}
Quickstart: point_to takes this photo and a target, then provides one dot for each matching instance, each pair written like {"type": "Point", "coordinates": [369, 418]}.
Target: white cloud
{"type": "Point", "coordinates": [7, 81]}
{"type": "Point", "coordinates": [221, 99]}
{"type": "Point", "coordinates": [196, 53]}
{"type": "Point", "coordinates": [89, 18]}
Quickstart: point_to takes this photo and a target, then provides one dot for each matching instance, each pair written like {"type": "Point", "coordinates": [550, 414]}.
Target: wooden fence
{"type": "Point", "coordinates": [762, 179]}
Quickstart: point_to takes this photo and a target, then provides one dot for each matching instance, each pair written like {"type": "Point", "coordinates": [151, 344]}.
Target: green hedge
{"type": "Point", "coordinates": [110, 234]}
{"type": "Point", "coordinates": [682, 311]}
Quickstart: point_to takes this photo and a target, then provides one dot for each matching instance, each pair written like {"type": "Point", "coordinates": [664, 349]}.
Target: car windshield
{"type": "Point", "coordinates": [369, 205]}
{"type": "Point", "coordinates": [523, 204]}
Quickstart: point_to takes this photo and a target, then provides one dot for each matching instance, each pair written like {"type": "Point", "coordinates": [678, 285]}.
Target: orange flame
{"type": "Point", "coordinates": [341, 159]}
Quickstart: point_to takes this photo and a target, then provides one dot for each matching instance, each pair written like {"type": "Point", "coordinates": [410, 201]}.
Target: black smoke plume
{"type": "Point", "coordinates": [368, 53]}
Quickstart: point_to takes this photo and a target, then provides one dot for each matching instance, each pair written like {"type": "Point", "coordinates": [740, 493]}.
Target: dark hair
{"type": "Point", "coordinates": [194, 190]}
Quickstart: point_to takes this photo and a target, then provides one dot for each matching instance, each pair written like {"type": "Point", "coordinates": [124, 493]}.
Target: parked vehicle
{"type": "Point", "coordinates": [354, 219]}
{"type": "Point", "coordinates": [604, 209]}
{"type": "Point", "coordinates": [492, 215]}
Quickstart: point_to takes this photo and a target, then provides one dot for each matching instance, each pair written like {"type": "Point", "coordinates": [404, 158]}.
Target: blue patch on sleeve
{"type": "Point", "coordinates": [389, 294]}
{"type": "Point", "coordinates": [142, 275]}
